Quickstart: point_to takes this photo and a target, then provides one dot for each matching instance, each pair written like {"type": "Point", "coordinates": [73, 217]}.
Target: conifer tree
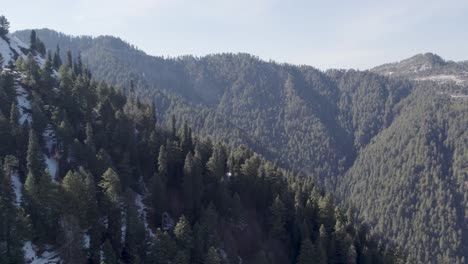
{"type": "Point", "coordinates": [11, 224]}
{"type": "Point", "coordinates": [4, 26]}
{"type": "Point", "coordinates": [212, 257]}
{"type": "Point", "coordinates": [109, 253]}
{"type": "Point", "coordinates": [278, 218]}
{"type": "Point", "coordinates": [41, 193]}
{"type": "Point", "coordinates": [135, 235]}
{"type": "Point", "coordinates": [111, 189]}
{"type": "Point", "coordinates": [183, 233]}
{"type": "Point", "coordinates": [163, 248]}
{"type": "Point", "coordinates": [57, 61]}
{"type": "Point", "coordinates": [33, 40]}
{"type": "Point", "coordinates": [307, 253]}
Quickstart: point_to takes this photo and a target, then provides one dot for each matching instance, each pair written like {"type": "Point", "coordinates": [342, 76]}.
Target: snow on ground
{"type": "Point", "coordinates": [52, 166]}
{"type": "Point", "coordinates": [18, 188]}
{"type": "Point", "coordinates": [142, 210]}
{"type": "Point", "coordinates": [462, 96]}
{"type": "Point", "coordinates": [24, 105]}
{"type": "Point", "coordinates": [17, 45]}
{"type": "Point", "coordinates": [443, 78]}
{"type": "Point", "coordinates": [124, 225]}
{"type": "Point", "coordinates": [50, 138]}
{"type": "Point", "coordinates": [86, 241]}
{"type": "Point", "coordinates": [6, 52]}
{"type": "Point", "coordinates": [47, 257]}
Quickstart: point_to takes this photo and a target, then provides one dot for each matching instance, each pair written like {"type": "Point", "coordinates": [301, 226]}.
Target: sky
{"type": "Point", "coordinates": [325, 34]}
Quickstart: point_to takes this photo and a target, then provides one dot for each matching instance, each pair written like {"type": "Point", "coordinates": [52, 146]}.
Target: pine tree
{"type": "Point", "coordinates": [162, 163]}
{"type": "Point", "coordinates": [109, 253]}
{"type": "Point", "coordinates": [46, 79]}
{"type": "Point", "coordinates": [33, 40]}
{"type": "Point", "coordinates": [278, 218]}
{"type": "Point", "coordinates": [71, 240]}
{"type": "Point", "coordinates": [192, 183]}
{"type": "Point", "coordinates": [135, 235]}
{"type": "Point", "coordinates": [163, 248]}
{"type": "Point", "coordinates": [4, 26]}
{"type": "Point", "coordinates": [110, 185]}
{"type": "Point", "coordinates": [322, 245]}
{"type": "Point", "coordinates": [32, 71]}
{"type": "Point", "coordinates": [41, 194]}
{"type": "Point", "coordinates": [212, 257]}
{"type": "Point", "coordinates": [11, 224]}
{"type": "Point", "coordinates": [183, 233]}
{"type": "Point", "coordinates": [308, 253]}
{"type": "Point", "coordinates": [173, 127]}
{"type": "Point", "coordinates": [181, 257]}
{"type": "Point", "coordinates": [111, 189]}
{"type": "Point", "coordinates": [327, 212]}
{"type": "Point", "coordinates": [69, 61]}
{"type": "Point", "coordinates": [57, 61]}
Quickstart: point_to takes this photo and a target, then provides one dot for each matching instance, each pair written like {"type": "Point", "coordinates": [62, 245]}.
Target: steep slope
{"type": "Point", "coordinates": [298, 116]}
{"type": "Point", "coordinates": [410, 182]}
{"type": "Point", "coordinates": [319, 123]}
{"type": "Point", "coordinates": [124, 189]}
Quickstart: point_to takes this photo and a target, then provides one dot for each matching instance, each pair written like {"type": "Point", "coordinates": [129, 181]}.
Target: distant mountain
{"type": "Point", "coordinates": [392, 147]}
{"type": "Point", "coordinates": [427, 66]}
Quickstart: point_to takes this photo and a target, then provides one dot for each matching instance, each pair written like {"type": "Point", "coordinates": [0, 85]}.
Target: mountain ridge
{"type": "Point", "coordinates": [325, 123]}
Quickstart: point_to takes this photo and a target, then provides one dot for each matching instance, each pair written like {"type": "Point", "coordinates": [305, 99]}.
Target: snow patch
{"type": "Point", "coordinates": [18, 46]}
{"type": "Point", "coordinates": [86, 241]}
{"type": "Point", "coordinates": [17, 187]}
{"type": "Point", "coordinates": [31, 255]}
{"type": "Point", "coordinates": [52, 166]}
{"type": "Point", "coordinates": [124, 225]}
{"type": "Point", "coordinates": [142, 211]}
{"type": "Point", "coordinates": [6, 52]}
{"type": "Point", "coordinates": [24, 105]}
{"type": "Point", "coordinates": [442, 78]}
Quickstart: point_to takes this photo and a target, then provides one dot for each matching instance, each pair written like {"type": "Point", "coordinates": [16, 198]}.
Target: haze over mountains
{"type": "Point", "coordinates": [391, 141]}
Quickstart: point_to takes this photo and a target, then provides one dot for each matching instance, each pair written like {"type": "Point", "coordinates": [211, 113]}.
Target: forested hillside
{"type": "Point", "coordinates": [415, 174]}
{"type": "Point", "coordinates": [348, 130]}
{"type": "Point", "coordinates": [88, 175]}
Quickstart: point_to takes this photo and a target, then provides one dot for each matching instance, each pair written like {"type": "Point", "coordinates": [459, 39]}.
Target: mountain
{"type": "Point", "coordinates": [393, 147]}
{"type": "Point", "coordinates": [88, 175]}
{"type": "Point", "coordinates": [427, 66]}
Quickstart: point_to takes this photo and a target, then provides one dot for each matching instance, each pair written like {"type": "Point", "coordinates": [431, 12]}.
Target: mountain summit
{"type": "Point", "coordinates": [427, 66]}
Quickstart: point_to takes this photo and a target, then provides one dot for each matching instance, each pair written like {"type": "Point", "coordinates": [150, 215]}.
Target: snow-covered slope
{"type": "Point", "coordinates": [12, 47]}
{"type": "Point", "coordinates": [33, 256]}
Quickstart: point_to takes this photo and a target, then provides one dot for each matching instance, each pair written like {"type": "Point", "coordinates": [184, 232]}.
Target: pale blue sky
{"type": "Point", "coordinates": [325, 34]}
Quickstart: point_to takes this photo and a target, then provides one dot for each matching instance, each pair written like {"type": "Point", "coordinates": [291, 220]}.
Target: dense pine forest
{"type": "Point", "coordinates": [393, 148]}
{"type": "Point", "coordinates": [90, 175]}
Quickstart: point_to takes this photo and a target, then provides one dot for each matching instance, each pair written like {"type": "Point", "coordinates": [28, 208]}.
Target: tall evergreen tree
{"type": "Point", "coordinates": [308, 253]}
{"type": "Point", "coordinates": [212, 257]}
{"type": "Point", "coordinates": [4, 26]}
{"type": "Point", "coordinates": [41, 192]}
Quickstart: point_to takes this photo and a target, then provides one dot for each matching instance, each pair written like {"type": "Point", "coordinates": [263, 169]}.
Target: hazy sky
{"type": "Point", "coordinates": [325, 34]}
